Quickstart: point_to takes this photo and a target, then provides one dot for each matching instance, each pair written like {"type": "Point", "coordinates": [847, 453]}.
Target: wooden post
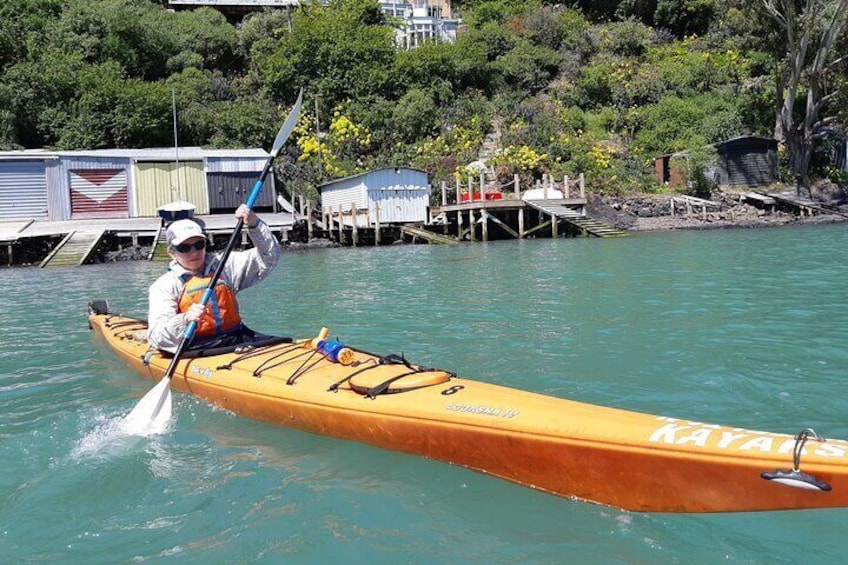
{"type": "Point", "coordinates": [444, 193]}
{"type": "Point", "coordinates": [554, 226]}
{"type": "Point", "coordinates": [341, 226]}
{"type": "Point", "coordinates": [10, 254]}
{"type": "Point", "coordinates": [704, 213]}
{"type": "Point", "coordinates": [470, 188]}
{"type": "Point", "coordinates": [545, 186]}
{"type": "Point", "coordinates": [566, 189]}
{"type": "Point", "coordinates": [294, 208]}
{"type": "Point", "coordinates": [308, 220]}
{"type": "Point", "coordinates": [482, 186]}
{"type": "Point", "coordinates": [471, 225]}
{"type": "Point", "coordinates": [521, 222]}
{"type": "Point", "coordinates": [459, 224]}
{"type": "Point", "coordinates": [458, 191]}
{"type": "Point", "coordinates": [517, 189]}
{"type": "Point", "coordinates": [582, 186]}
{"type": "Point", "coordinates": [354, 219]}
{"type": "Point", "coordinates": [484, 221]}
{"type": "Point", "coordinates": [377, 223]}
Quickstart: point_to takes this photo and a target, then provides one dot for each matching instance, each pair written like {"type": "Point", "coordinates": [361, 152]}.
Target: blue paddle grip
{"type": "Point", "coordinates": [257, 188]}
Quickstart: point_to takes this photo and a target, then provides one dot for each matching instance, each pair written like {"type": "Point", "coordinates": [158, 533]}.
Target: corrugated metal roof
{"type": "Point", "coordinates": [344, 180]}
{"type": "Point", "coordinates": [28, 154]}
{"type": "Point", "coordinates": [149, 154]}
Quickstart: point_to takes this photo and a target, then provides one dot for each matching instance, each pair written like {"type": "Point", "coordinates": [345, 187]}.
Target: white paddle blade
{"type": "Point", "coordinates": [288, 126]}
{"type": "Point", "coordinates": [152, 414]}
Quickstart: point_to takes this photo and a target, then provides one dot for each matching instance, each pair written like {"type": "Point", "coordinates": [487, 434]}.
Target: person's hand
{"type": "Point", "coordinates": [248, 215]}
{"type": "Point", "coordinates": [194, 312]}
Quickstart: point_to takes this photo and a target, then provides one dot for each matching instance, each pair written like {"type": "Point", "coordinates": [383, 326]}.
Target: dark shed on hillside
{"type": "Point", "coordinates": [746, 161]}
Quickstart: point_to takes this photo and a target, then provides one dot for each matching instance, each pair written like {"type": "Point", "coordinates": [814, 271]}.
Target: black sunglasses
{"type": "Point", "coordinates": [186, 247]}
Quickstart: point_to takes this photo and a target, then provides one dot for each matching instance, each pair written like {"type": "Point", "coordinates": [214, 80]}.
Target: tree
{"type": "Point", "coordinates": [811, 29]}
{"type": "Point", "coordinates": [341, 52]}
{"type": "Point", "coordinates": [685, 17]}
{"type": "Point", "coordinates": [24, 22]}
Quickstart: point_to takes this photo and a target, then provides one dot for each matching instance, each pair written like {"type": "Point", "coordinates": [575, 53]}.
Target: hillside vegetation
{"type": "Point", "coordinates": [595, 87]}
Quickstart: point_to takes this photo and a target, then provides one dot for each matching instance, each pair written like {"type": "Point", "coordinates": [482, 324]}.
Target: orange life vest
{"type": "Point", "coordinates": [222, 314]}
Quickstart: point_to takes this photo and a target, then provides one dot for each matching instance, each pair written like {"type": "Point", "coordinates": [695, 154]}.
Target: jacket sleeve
{"type": "Point", "coordinates": [247, 268]}
{"type": "Point", "coordinates": [165, 325]}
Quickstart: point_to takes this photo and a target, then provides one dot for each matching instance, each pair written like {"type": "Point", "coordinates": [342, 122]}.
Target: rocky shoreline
{"type": "Point", "coordinates": [726, 210]}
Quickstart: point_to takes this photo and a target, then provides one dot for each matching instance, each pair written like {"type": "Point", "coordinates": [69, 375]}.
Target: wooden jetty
{"type": "Point", "coordinates": [803, 206]}
{"type": "Point", "coordinates": [790, 201]}
{"type": "Point", "coordinates": [550, 212]}
{"type": "Point", "coordinates": [75, 242]}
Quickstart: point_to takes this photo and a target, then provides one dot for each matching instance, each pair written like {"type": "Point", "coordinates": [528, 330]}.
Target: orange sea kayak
{"type": "Point", "coordinates": [616, 457]}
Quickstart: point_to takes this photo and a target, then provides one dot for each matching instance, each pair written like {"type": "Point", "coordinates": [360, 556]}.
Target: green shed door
{"type": "Point", "coordinates": [158, 183]}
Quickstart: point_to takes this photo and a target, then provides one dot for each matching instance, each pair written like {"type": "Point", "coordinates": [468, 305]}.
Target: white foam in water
{"type": "Point", "coordinates": [113, 435]}
{"type": "Point", "coordinates": [108, 438]}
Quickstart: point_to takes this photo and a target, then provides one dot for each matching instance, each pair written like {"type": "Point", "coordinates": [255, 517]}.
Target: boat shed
{"type": "Point", "coordinates": [388, 195]}
{"type": "Point", "coordinates": [742, 161]}
{"type": "Point", "coordinates": [746, 161]}
{"type": "Point", "coordinates": [121, 183]}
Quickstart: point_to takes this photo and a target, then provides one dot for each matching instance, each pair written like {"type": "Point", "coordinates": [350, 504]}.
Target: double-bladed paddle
{"type": "Point", "coordinates": [153, 411]}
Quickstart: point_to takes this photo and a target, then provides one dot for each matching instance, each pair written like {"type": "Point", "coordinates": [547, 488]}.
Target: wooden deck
{"type": "Point", "coordinates": [18, 235]}
{"type": "Point", "coordinates": [126, 227]}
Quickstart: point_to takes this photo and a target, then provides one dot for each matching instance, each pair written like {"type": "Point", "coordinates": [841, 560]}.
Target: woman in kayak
{"type": "Point", "coordinates": [174, 298]}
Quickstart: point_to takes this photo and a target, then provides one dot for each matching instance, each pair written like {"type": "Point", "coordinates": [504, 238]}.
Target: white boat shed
{"type": "Point", "coordinates": [39, 184]}
{"type": "Point", "coordinates": [385, 196]}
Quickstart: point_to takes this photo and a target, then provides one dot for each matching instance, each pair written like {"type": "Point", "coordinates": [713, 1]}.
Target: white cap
{"type": "Point", "coordinates": [182, 230]}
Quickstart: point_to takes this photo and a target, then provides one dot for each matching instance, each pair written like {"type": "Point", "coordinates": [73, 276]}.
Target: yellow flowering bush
{"type": "Point", "coordinates": [339, 151]}
{"type": "Point", "coordinates": [522, 158]}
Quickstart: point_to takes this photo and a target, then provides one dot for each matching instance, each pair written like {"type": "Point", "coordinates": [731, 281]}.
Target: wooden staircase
{"type": "Point", "coordinates": [598, 228]}
{"type": "Point", "coordinates": [589, 226]}
{"type": "Point", "coordinates": [73, 250]}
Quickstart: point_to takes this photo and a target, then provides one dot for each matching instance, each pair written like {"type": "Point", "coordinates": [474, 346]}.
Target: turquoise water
{"type": "Point", "coordinates": [742, 328]}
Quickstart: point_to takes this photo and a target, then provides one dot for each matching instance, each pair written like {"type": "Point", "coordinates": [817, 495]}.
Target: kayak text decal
{"type": "Point", "coordinates": [697, 434]}
{"type": "Point", "coordinates": [202, 371]}
{"type": "Point", "coordinates": [482, 410]}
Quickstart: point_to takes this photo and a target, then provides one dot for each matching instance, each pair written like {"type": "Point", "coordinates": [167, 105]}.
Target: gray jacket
{"type": "Point", "coordinates": [243, 269]}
